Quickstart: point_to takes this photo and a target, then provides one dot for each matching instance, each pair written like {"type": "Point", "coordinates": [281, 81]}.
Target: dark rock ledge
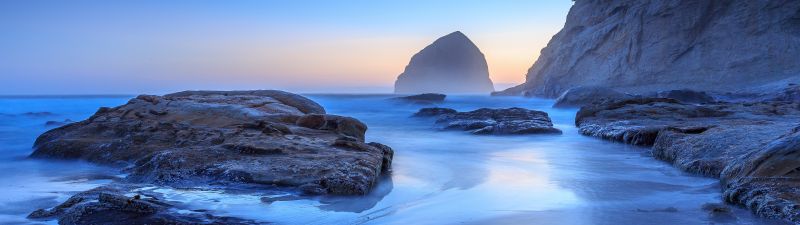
{"type": "Point", "coordinates": [753, 147]}
{"type": "Point", "coordinates": [492, 121]}
{"type": "Point", "coordinates": [116, 204]}
{"type": "Point", "coordinates": [423, 99]}
{"type": "Point", "coordinates": [202, 138]}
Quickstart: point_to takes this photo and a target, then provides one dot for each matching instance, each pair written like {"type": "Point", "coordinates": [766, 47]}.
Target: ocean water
{"type": "Point", "coordinates": [438, 177]}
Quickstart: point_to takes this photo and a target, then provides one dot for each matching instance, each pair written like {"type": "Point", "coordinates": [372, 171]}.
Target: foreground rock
{"type": "Point", "coordinates": [115, 204]}
{"type": "Point", "coordinates": [753, 147]}
{"type": "Point", "coordinates": [584, 95]}
{"type": "Point", "coordinates": [199, 138]}
{"type": "Point", "coordinates": [423, 99]}
{"type": "Point", "coordinates": [639, 46]}
{"type": "Point", "coordinates": [493, 121]}
{"type": "Point", "coordinates": [451, 64]}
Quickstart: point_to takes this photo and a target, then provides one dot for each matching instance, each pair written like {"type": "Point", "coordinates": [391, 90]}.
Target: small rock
{"type": "Point", "coordinates": [427, 98]}
{"type": "Point", "coordinates": [719, 212]}
{"type": "Point", "coordinates": [494, 121]}
{"type": "Point", "coordinates": [52, 123]}
{"type": "Point", "coordinates": [428, 112]}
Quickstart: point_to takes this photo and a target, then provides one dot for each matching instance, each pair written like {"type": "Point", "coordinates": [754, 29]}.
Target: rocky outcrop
{"type": "Point", "coordinates": [115, 204]}
{"type": "Point", "coordinates": [423, 99]}
{"type": "Point", "coordinates": [216, 137]}
{"type": "Point", "coordinates": [639, 46]}
{"type": "Point", "coordinates": [493, 121]}
{"type": "Point", "coordinates": [451, 64]}
{"type": "Point", "coordinates": [767, 180]}
{"type": "Point", "coordinates": [752, 146]}
{"type": "Point", "coordinates": [580, 96]}
{"type": "Point", "coordinates": [436, 111]}
{"type": "Point", "coordinates": [688, 96]}
{"type": "Point", "coordinates": [54, 123]}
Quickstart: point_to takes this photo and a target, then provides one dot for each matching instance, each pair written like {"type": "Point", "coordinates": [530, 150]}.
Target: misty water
{"type": "Point", "coordinates": [439, 177]}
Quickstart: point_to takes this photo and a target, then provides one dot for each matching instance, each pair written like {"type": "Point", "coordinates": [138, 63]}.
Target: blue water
{"type": "Point", "coordinates": [439, 177]}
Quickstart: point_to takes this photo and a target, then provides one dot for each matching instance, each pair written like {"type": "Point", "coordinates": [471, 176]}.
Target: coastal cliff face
{"type": "Point", "coordinates": [642, 46]}
{"type": "Point", "coordinates": [451, 64]}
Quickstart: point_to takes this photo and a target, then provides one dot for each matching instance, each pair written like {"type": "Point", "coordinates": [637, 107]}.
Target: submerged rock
{"type": "Point", "coordinates": [719, 212]}
{"type": "Point", "coordinates": [583, 95]}
{"type": "Point", "coordinates": [53, 123]}
{"type": "Point", "coordinates": [451, 64]}
{"type": "Point", "coordinates": [217, 137]}
{"type": "Point", "coordinates": [38, 114]}
{"type": "Point", "coordinates": [436, 111]}
{"type": "Point", "coordinates": [752, 146]}
{"type": "Point", "coordinates": [493, 121]}
{"type": "Point", "coordinates": [427, 98]}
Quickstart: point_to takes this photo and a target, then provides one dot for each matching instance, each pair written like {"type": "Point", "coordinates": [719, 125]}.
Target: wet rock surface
{"type": "Point", "coordinates": [436, 111]}
{"type": "Point", "coordinates": [423, 99]}
{"type": "Point", "coordinates": [584, 95]}
{"type": "Point", "coordinates": [123, 204]}
{"type": "Point", "coordinates": [754, 147]}
{"type": "Point", "coordinates": [200, 138]}
{"type": "Point", "coordinates": [492, 121]}
{"type": "Point", "coordinates": [262, 137]}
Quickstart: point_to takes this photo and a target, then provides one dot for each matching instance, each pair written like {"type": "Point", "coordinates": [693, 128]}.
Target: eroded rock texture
{"type": "Point", "coordinates": [214, 137]}
{"type": "Point", "coordinates": [653, 45]}
{"type": "Point", "coordinates": [492, 121]}
{"type": "Point", "coordinates": [752, 146]}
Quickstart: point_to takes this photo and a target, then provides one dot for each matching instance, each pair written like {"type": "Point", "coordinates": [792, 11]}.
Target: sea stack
{"type": "Point", "coordinates": [451, 64]}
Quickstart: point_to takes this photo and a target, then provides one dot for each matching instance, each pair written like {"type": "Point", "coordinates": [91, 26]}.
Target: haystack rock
{"type": "Point", "coordinates": [452, 64]}
{"type": "Point", "coordinates": [637, 46]}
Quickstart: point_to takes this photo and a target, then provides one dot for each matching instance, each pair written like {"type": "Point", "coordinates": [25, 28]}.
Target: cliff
{"type": "Point", "coordinates": [651, 45]}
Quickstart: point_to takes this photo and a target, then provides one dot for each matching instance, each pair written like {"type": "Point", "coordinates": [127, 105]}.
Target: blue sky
{"type": "Point", "coordinates": [112, 47]}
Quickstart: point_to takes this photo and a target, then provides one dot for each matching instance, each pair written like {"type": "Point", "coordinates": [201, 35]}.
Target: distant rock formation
{"type": "Point", "coordinates": [452, 64]}
{"type": "Point", "coordinates": [640, 46]}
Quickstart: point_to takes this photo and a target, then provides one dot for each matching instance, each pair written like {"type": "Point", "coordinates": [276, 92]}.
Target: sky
{"type": "Point", "coordinates": [157, 47]}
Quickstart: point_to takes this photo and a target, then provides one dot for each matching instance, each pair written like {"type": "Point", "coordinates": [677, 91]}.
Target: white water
{"type": "Point", "coordinates": [439, 177]}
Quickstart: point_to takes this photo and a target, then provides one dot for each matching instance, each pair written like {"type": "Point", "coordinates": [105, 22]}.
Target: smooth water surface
{"type": "Point", "coordinates": [439, 177]}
